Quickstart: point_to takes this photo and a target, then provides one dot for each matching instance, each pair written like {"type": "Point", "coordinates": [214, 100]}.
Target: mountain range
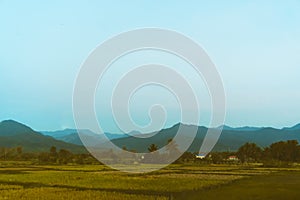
{"type": "Point", "coordinates": [230, 140]}
{"type": "Point", "coordinates": [14, 134]}
{"type": "Point", "coordinates": [72, 136]}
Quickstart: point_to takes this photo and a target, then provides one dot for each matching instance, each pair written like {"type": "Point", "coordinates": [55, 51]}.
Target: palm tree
{"type": "Point", "coordinates": [152, 148]}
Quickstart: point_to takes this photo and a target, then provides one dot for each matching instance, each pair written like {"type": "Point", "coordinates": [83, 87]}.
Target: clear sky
{"type": "Point", "coordinates": [254, 44]}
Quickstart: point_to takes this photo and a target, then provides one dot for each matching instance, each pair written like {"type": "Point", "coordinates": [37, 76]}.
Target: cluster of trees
{"type": "Point", "coordinates": [62, 156]}
{"type": "Point", "coordinates": [11, 153]}
{"type": "Point", "coordinates": [276, 153]}
{"type": "Point", "coordinates": [279, 153]}
{"type": "Point", "coordinates": [154, 157]}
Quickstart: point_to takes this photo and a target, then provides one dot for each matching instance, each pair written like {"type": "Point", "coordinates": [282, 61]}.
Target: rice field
{"type": "Point", "coordinates": [24, 181]}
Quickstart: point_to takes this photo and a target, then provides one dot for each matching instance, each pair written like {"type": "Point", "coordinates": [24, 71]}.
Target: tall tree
{"type": "Point", "coordinates": [152, 148]}
{"type": "Point", "coordinates": [64, 156]}
{"type": "Point", "coordinates": [19, 150]}
{"type": "Point", "coordinates": [283, 151]}
{"type": "Point", "coordinates": [53, 154]}
{"type": "Point", "coordinates": [249, 152]}
{"type": "Point", "coordinates": [53, 150]}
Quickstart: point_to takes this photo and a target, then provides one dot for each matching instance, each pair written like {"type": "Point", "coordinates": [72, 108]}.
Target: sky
{"type": "Point", "coordinates": [255, 46]}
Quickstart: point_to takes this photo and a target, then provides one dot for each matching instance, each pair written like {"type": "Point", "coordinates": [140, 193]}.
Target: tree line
{"type": "Point", "coordinates": [277, 154]}
{"type": "Point", "coordinates": [54, 156]}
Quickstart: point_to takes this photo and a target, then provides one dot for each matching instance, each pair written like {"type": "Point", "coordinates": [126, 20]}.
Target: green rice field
{"type": "Point", "coordinates": [20, 180]}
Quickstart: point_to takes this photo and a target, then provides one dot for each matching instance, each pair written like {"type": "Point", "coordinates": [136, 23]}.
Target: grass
{"type": "Point", "coordinates": [24, 181]}
{"type": "Point", "coordinates": [281, 185]}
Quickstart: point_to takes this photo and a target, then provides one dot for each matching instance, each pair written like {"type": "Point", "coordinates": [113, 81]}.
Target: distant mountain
{"type": "Point", "coordinates": [71, 136]}
{"type": "Point", "coordinates": [13, 134]}
{"type": "Point", "coordinates": [59, 133]}
{"type": "Point", "coordinates": [296, 127]}
{"type": "Point", "coordinates": [244, 128]}
{"type": "Point", "coordinates": [230, 139]}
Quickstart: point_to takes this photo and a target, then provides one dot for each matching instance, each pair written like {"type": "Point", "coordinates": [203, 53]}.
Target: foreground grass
{"type": "Point", "coordinates": [281, 185]}
{"type": "Point", "coordinates": [23, 181]}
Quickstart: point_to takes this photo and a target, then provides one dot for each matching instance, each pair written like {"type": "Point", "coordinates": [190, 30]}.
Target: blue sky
{"type": "Point", "coordinates": [254, 44]}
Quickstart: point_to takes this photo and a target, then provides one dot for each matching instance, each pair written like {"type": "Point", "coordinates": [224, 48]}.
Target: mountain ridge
{"type": "Point", "coordinates": [13, 134]}
{"type": "Point", "coordinates": [230, 139]}
{"type": "Point", "coordinates": [72, 136]}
